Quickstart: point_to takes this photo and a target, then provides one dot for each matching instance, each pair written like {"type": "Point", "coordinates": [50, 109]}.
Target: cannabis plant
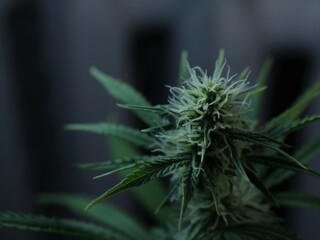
{"type": "Point", "coordinates": [221, 165]}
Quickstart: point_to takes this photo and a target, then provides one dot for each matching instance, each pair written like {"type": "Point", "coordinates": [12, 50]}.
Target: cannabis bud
{"type": "Point", "coordinates": [205, 111]}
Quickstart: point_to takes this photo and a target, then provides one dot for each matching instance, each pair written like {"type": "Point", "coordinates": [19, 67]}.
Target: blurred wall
{"type": "Point", "coordinates": [47, 48]}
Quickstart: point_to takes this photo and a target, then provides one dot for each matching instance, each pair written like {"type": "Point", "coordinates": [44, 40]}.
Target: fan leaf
{"type": "Point", "coordinates": [258, 231]}
{"type": "Point", "coordinates": [126, 95]}
{"type": "Point", "coordinates": [308, 151]}
{"type": "Point", "coordinates": [262, 78]}
{"type": "Point", "coordinates": [188, 186]}
{"type": "Point", "coordinates": [131, 135]}
{"type": "Point", "coordinates": [281, 162]}
{"type": "Point", "coordinates": [38, 223]}
{"type": "Point", "coordinates": [119, 221]}
{"type": "Point", "coordinates": [143, 174]}
{"type": "Point", "coordinates": [295, 110]}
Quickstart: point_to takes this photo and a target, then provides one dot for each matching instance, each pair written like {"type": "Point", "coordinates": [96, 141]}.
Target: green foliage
{"type": "Point", "coordinates": [103, 213]}
{"type": "Point", "coordinates": [208, 144]}
{"type": "Point", "coordinates": [133, 136]}
{"type": "Point", "coordinates": [38, 223]}
{"type": "Point", "coordinates": [261, 81]}
{"type": "Point", "coordinates": [253, 231]}
{"type": "Point", "coordinates": [156, 167]}
{"type": "Point", "coordinates": [299, 200]}
{"type": "Point", "coordinates": [126, 94]}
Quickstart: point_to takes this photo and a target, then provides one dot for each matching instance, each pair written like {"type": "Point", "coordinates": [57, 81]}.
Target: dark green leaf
{"type": "Point", "coordinates": [261, 81]}
{"type": "Point", "coordinates": [101, 213]}
{"type": "Point", "coordinates": [235, 160]}
{"type": "Point", "coordinates": [296, 109]}
{"type": "Point", "coordinates": [299, 200]}
{"type": "Point", "coordinates": [298, 124]}
{"type": "Point", "coordinates": [281, 162]}
{"type": "Point", "coordinates": [151, 109]}
{"type": "Point", "coordinates": [265, 141]}
{"type": "Point", "coordinates": [188, 185]}
{"type": "Point", "coordinates": [143, 174]}
{"type": "Point", "coordinates": [260, 185]}
{"type": "Point", "coordinates": [127, 95]}
{"type": "Point", "coordinates": [150, 194]}
{"type": "Point", "coordinates": [131, 135]}
{"type": "Point", "coordinates": [260, 232]}
{"type": "Point", "coordinates": [309, 150]}
{"type": "Point", "coordinates": [67, 227]}
{"type": "Point", "coordinates": [117, 163]}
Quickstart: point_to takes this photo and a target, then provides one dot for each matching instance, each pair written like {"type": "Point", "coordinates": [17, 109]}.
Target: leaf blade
{"type": "Point", "coordinates": [144, 173]}
{"type": "Point", "coordinates": [131, 135]}
{"type": "Point", "coordinates": [125, 94]}
{"type": "Point", "coordinates": [68, 227]}
{"type": "Point", "coordinates": [119, 221]}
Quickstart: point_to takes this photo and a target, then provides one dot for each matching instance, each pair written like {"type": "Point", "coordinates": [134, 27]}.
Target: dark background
{"type": "Point", "coordinates": [47, 47]}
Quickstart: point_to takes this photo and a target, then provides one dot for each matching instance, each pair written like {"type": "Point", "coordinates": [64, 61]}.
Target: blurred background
{"type": "Point", "coordinates": [47, 48]}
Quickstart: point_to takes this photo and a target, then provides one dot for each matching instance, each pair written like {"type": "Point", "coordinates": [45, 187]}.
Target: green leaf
{"type": "Point", "coordinates": [236, 161]}
{"type": "Point", "coordinates": [299, 200]}
{"type": "Point", "coordinates": [143, 174]}
{"type": "Point", "coordinates": [265, 141]}
{"type": "Point", "coordinates": [119, 221]}
{"type": "Point", "coordinates": [107, 165]}
{"type": "Point", "coordinates": [281, 162]}
{"type": "Point", "coordinates": [150, 194]}
{"type": "Point", "coordinates": [131, 135]}
{"type": "Point", "coordinates": [260, 231]}
{"type": "Point", "coordinates": [308, 151]}
{"type": "Point", "coordinates": [260, 185]}
{"type": "Point", "coordinates": [295, 110]}
{"type": "Point", "coordinates": [151, 109]}
{"type": "Point", "coordinates": [183, 68]}
{"type": "Point", "coordinates": [61, 226]}
{"type": "Point", "coordinates": [298, 124]}
{"type": "Point", "coordinates": [261, 81]}
{"type": "Point", "coordinates": [126, 95]}
{"type": "Point", "coordinates": [188, 185]}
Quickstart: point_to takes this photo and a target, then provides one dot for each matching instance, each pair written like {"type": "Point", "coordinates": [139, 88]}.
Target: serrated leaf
{"type": "Point", "coordinates": [265, 141]}
{"type": "Point", "coordinates": [299, 200]}
{"type": "Point", "coordinates": [296, 108]}
{"type": "Point", "coordinates": [260, 185]}
{"type": "Point", "coordinates": [131, 135]}
{"type": "Point", "coordinates": [151, 109]}
{"type": "Point", "coordinates": [298, 124]}
{"type": "Point", "coordinates": [60, 226]}
{"type": "Point", "coordinates": [119, 221]}
{"type": "Point", "coordinates": [188, 185]}
{"type": "Point", "coordinates": [235, 160]}
{"type": "Point", "coordinates": [113, 164]}
{"type": "Point", "coordinates": [143, 174]}
{"type": "Point", "coordinates": [261, 232]}
{"type": "Point", "coordinates": [261, 80]}
{"type": "Point", "coordinates": [255, 138]}
{"type": "Point", "coordinates": [126, 95]}
{"type": "Point", "coordinates": [280, 162]}
{"type": "Point", "coordinates": [308, 151]}
{"type": "Point", "coordinates": [149, 195]}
